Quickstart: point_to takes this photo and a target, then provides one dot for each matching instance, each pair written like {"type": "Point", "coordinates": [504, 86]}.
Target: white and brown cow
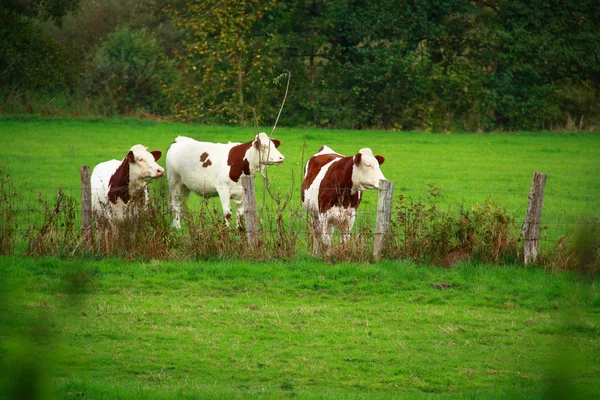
{"type": "Point", "coordinates": [214, 169]}
{"type": "Point", "coordinates": [119, 186]}
{"type": "Point", "coordinates": [332, 190]}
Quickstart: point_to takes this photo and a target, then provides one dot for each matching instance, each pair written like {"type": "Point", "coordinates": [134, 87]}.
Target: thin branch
{"type": "Point", "coordinates": [289, 76]}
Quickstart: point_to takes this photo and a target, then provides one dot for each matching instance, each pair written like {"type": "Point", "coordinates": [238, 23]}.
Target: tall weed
{"type": "Point", "coordinates": [424, 233]}
{"type": "Point", "coordinates": [577, 251]}
{"type": "Point", "coordinates": [8, 209]}
{"type": "Point", "coordinates": [56, 235]}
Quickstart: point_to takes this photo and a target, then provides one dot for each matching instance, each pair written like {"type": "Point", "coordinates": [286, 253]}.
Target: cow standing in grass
{"type": "Point", "coordinates": [214, 169]}
{"type": "Point", "coordinates": [118, 187]}
{"type": "Point", "coordinates": [332, 190]}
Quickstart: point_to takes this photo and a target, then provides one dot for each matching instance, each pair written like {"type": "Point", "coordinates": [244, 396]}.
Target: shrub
{"type": "Point", "coordinates": [577, 251]}
{"type": "Point", "coordinates": [56, 236]}
{"type": "Point", "coordinates": [130, 72]}
{"type": "Point", "coordinates": [8, 201]}
{"type": "Point", "coordinates": [423, 233]}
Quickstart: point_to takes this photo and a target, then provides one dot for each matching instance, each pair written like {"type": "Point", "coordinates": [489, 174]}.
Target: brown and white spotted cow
{"type": "Point", "coordinates": [332, 190]}
{"type": "Point", "coordinates": [118, 186]}
{"type": "Point", "coordinates": [214, 169]}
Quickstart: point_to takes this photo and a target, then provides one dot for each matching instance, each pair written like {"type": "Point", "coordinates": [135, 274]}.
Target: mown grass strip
{"type": "Point", "coordinates": [306, 328]}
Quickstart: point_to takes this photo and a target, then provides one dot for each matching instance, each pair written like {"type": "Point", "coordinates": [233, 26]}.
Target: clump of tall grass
{"type": "Point", "coordinates": [56, 234]}
{"type": "Point", "coordinates": [280, 234]}
{"type": "Point", "coordinates": [422, 232]}
{"type": "Point", "coordinates": [209, 237]}
{"type": "Point", "coordinates": [143, 234]}
{"type": "Point", "coordinates": [578, 250]}
{"type": "Point", "coordinates": [358, 248]}
{"type": "Point", "coordinates": [8, 209]}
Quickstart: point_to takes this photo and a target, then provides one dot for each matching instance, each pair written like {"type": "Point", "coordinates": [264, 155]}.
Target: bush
{"type": "Point", "coordinates": [130, 74]}
{"type": "Point", "coordinates": [423, 233]}
{"type": "Point", "coordinates": [8, 209]}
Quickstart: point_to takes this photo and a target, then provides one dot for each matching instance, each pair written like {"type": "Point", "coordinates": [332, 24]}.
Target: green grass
{"type": "Point", "coordinates": [45, 154]}
{"type": "Point", "coordinates": [111, 329]}
{"type": "Point", "coordinates": [106, 328]}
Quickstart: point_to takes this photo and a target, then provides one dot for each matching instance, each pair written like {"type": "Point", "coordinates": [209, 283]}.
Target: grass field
{"type": "Point", "coordinates": [45, 154]}
{"type": "Point", "coordinates": [98, 328]}
{"type": "Point", "coordinates": [106, 330]}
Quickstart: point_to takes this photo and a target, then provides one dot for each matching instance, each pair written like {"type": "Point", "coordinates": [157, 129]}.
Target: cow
{"type": "Point", "coordinates": [119, 186]}
{"type": "Point", "coordinates": [214, 169]}
{"type": "Point", "coordinates": [332, 190]}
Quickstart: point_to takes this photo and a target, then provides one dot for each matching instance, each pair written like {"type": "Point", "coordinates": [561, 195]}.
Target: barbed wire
{"type": "Point", "coordinates": [399, 190]}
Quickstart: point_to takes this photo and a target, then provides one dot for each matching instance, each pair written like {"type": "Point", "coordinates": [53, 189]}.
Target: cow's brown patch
{"type": "Point", "coordinates": [118, 186]}
{"type": "Point", "coordinates": [204, 160]}
{"type": "Point", "coordinates": [336, 186]}
{"type": "Point", "coordinates": [314, 166]}
{"type": "Point", "coordinates": [237, 162]}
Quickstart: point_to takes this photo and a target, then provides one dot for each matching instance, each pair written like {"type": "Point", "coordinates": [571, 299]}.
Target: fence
{"type": "Point", "coordinates": [385, 227]}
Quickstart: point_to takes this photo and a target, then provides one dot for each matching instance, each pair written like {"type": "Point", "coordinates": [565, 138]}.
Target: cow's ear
{"type": "Point", "coordinates": [256, 143]}
{"type": "Point", "coordinates": [276, 142]}
{"type": "Point", "coordinates": [130, 157]}
{"type": "Point", "coordinates": [380, 159]}
{"type": "Point", "coordinates": [156, 154]}
{"type": "Point", "coordinates": [357, 159]}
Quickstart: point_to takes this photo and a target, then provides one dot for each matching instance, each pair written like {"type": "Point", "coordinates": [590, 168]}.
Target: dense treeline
{"type": "Point", "coordinates": [404, 64]}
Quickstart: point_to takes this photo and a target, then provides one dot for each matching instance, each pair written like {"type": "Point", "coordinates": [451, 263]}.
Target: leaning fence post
{"type": "Point", "coordinates": [384, 213]}
{"type": "Point", "coordinates": [86, 204]}
{"type": "Point", "coordinates": [533, 219]}
{"type": "Point", "coordinates": [250, 210]}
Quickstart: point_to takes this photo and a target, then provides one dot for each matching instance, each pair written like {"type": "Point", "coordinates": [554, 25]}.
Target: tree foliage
{"type": "Point", "coordinates": [27, 59]}
{"type": "Point", "coordinates": [228, 59]}
{"type": "Point", "coordinates": [431, 65]}
{"type": "Point", "coordinates": [130, 73]}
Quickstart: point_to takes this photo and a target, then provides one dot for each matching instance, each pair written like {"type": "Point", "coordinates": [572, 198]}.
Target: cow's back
{"type": "Point", "coordinates": [200, 166]}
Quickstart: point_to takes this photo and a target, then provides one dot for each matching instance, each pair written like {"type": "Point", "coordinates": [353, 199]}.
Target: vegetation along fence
{"type": "Point", "coordinates": [277, 227]}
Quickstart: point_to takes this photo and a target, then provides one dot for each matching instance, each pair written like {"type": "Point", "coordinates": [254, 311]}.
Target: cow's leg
{"type": "Point", "coordinates": [224, 196]}
{"type": "Point", "coordinates": [316, 236]}
{"type": "Point", "coordinates": [239, 214]}
{"type": "Point", "coordinates": [177, 192]}
{"type": "Point", "coordinates": [326, 234]}
{"type": "Point", "coordinates": [348, 224]}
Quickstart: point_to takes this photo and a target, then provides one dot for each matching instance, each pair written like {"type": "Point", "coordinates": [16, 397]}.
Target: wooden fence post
{"type": "Point", "coordinates": [384, 213]}
{"type": "Point", "coordinates": [533, 219]}
{"type": "Point", "coordinates": [250, 210]}
{"type": "Point", "coordinates": [86, 205]}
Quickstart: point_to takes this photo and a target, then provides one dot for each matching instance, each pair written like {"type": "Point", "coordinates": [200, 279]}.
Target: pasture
{"type": "Point", "coordinates": [215, 329]}
{"type": "Point", "coordinates": [105, 328]}
{"type": "Point", "coordinates": [44, 155]}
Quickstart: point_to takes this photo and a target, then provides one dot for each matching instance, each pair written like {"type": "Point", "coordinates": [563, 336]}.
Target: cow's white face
{"type": "Point", "coordinates": [366, 173]}
{"type": "Point", "coordinates": [142, 164]}
{"type": "Point", "coordinates": [267, 149]}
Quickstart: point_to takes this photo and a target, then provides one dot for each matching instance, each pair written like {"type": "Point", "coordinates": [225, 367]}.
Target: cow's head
{"type": "Point", "coordinates": [142, 164]}
{"type": "Point", "coordinates": [366, 173]}
{"type": "Point", "coordinates": [267, 149]}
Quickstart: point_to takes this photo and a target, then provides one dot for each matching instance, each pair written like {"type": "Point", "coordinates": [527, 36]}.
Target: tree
{"type": "Point", "coordinates": [130, 73]}
{"type": "Point", "coordinates": [228, 59]}
{"type": "Point", "coordinates": [27, 60]}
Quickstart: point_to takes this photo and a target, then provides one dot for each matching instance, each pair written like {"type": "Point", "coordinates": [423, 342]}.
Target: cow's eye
{"type": "Point", "coordinates": [141, 160]}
